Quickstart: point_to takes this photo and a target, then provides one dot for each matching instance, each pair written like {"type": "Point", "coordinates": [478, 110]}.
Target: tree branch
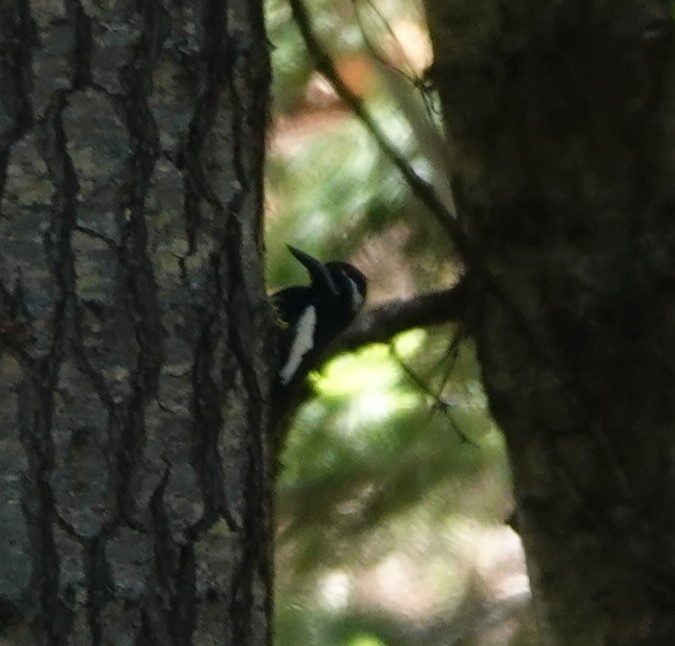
{"type": "Point", "coordinates": [386, 321]}
{"type": "Point", "coordinates": [424, 191]}
{"type": "Point", "coordinates": [373, 326]}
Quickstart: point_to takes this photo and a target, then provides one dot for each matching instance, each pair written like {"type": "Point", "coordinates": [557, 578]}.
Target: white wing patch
{"type": "Point", "coordinates": [302, 344]}
{"type": "Point", "coordinates": [357, 297]}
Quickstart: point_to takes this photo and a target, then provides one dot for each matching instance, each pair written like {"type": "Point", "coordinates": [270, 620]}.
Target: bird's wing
{"type": "Point", "coordinates": [303, 342]}
{"type": "Point", "coordinates": [290, 303]}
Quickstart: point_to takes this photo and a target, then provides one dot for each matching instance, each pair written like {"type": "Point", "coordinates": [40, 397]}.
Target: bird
{"type": "Point", "coordinates": [311, 316]}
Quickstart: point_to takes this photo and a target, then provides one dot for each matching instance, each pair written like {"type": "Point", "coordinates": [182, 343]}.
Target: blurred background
{"type": "Point", "coordinates": [394, 493]}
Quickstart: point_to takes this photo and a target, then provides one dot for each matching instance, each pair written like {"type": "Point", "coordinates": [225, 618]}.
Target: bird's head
{"type": "Point", "coordinates": [338, 278]}
{"type": "Point", "coordinates": [350, 282]}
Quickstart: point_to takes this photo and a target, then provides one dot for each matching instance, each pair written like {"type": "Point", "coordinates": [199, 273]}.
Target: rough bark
{"type": "Point", "coordinates": [561, 117]}
{"type": "Point", "coordinates": [134, 329]}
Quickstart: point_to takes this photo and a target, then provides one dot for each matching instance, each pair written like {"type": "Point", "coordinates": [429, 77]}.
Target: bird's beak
{"type": "Point", "coordinates": [317, 270]}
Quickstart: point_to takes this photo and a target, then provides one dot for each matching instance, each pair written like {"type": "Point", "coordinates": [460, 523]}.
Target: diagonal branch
{"type": "Point", "coordinates": [373, 326]}
{"type": "Point", "coordinates": [388, 320]}
{"type": "Point", "coordinates": [439, 403]}
{"type": "Point", "coordinates": [424, 191]}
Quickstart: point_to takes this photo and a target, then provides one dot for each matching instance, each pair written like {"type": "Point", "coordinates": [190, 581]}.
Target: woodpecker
{"type": "Point", "coordinates": [312, 316]}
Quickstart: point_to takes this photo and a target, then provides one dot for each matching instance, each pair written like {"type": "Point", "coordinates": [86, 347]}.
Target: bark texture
{"type": "Point", "coordinates": [134, 327]}
{"type": "Point", "coordinates": [561, 117]}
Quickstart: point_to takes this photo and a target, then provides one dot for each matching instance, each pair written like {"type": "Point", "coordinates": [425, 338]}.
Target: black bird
{"type": "Point", "coordinates": [312, 316]}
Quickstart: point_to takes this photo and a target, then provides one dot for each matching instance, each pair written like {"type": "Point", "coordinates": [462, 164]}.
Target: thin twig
{"type": "Point", "coordinates": [413, 79]}
{"type": "Point", "coordinates": [378, 325]}
{"type": "Point", "coordinates": [421, 83]}
{"type": "Point", "coordinates": [424, 191]}
{"type": "Point", "coordinates": [427, 194]}
{"type": "Point", "coordinates": [439, 403]}
{"type": "Point", "coordinates": [450, 358]}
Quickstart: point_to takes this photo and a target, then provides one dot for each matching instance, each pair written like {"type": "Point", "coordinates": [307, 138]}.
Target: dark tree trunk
{"type": "Point", "coordinates": [561, 116]}
{"type": "Point", "coordinates": [134, 329]}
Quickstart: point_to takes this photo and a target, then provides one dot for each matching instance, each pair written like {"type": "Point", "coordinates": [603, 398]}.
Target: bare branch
{"type": "Point", "coordinates": [386, 321]}
{"type": "Point", "coordinates": [373, 326]}
{"type": "Point", "coordinates": [424, 191]}
{"type": "Point", "coordinates": [440, 404]}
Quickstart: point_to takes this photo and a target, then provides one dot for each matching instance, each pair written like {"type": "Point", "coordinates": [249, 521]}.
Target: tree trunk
{"type": "Point", "coordinates": [561, 117]}
{"type": "Point", "coordinates": [134, 329]}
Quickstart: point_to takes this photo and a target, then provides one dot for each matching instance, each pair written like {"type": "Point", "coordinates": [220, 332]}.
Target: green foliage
{"type": "Point", "coordinates": [393, 465]}
{"type": "Point", "coordinates": [325, 192]}
{"type": "Point", "coordinates": [375, 446]}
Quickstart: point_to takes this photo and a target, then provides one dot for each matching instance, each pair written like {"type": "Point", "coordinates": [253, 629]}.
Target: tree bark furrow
{"type": "Point", "coordinates": [127, 267]}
